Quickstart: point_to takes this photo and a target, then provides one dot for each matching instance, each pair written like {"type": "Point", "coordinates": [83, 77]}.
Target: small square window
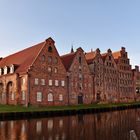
{"type": "Point", "coordinates": [39, 96]}
{"type": "Point", "coordinates": [50, 83]}
{"type": "Point", "coordinates": [36, 81]}
{"type": "Point", "coordinates": [56, 83]}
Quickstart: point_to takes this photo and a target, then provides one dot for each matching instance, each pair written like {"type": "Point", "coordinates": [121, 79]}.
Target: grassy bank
{"type": "Point", "coordinates": [11, 108]}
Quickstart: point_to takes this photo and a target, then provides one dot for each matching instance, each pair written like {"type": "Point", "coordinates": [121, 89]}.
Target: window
{"type": "Point", "coordinates": [12, 96]}
{"type": "Point", "coordinates": [0, 71]}
{"type": "Point", "coordinates": [49, 59]}
{"type": "Point", "coordinates": [43, 58]}
{"type": "Point", "coordinates": [49, 69]}
{"type": "Point", "coordinates": [50, 97]}
{"type": "Point", "coordinates": [60, 97]}
{"type": "Point", "coordinates": [80, 59]}
{"type": "Point", "coordinates": [56, 83]}
{"type": "Point", "coordinates": [12, 69]}
{"type": "Point", "coordinates": [49, 49]}
{"type": "Point", "coordinates": [22, 81]}
{"type": "Point", "coordinates": [23, 95]}
{"type": "Point", "coordinates": [5, 70]}
{"type": "Point", "coordinates": [36, 81]}
{"type": "Point", "coordinates": [109, 57]}
{"type": "Point", "coordinates": [42, 81]}
{"type": "Point", "coordinates": [80, 76]}
{"type": "Point", "coordinates": [62, 83]}
{"type": "Point", "coordinates": [39, 96]}
{"type": "Point", "coordinates": [55, 60]}
{"type": "Point", "coordinates": [55, 70]}
{"type": "Point", "coordinates": [50, 83]}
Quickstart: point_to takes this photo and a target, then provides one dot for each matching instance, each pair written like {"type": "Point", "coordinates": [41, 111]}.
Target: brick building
{"type": "Point", "coordinates": [39, 76]}
{"type": "Point", "coordinates": [79, 78]}
{"type": "Point", "coordinates": [33, 76]}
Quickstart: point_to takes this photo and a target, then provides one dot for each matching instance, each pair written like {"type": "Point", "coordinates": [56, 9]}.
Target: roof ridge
{"type": "Point", "coordinates": [23, 50]}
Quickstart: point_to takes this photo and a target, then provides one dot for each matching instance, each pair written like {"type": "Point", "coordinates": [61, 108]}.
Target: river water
{"type": "Point", "coordinates": [114, 125]}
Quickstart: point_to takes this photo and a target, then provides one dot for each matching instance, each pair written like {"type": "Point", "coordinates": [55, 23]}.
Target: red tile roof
{"type": "Point", "coordinates": [67, 60]}
{"type": "Point", "coordinates": [23, 59]}
{"type": "Point", "coordinates": [90, 56]}
{"type": "Point", "coordinates": [104, 55]}
{"type": "Point", "coordinates": [116, 55]}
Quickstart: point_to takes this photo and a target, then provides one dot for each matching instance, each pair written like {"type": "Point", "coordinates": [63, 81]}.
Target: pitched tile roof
{"type": "Point", "coordinates": [67, 59]}
{"type": "Point", "coordinates": [117, 54]}
{"type": "Point", "coordinates": [22, 59]}
{"type": "Point", "coordinates": [90, 56]}
{"type": "Point", "coordinates": [104, 55]}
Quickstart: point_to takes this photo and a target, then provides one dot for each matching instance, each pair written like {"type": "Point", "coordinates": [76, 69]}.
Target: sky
{"type": "Point", "coordinates": [89, 24]}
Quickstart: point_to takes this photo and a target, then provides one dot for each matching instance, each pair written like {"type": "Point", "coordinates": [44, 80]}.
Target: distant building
{"type": "Point", "coordinates": [39, 76]}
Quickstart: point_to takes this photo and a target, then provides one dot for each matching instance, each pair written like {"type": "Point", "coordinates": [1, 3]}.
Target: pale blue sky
{"type": "Point", "coordinates": [84, 23]}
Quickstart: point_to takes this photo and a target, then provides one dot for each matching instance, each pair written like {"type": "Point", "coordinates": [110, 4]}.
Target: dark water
{"type": "Point", "coordinates": [102, 126]}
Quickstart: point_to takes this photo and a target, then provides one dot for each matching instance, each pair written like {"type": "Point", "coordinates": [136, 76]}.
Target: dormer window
{"type": "Point", "coordinates": [5, 70]}
{"type": "Point", "coordinates": [12, 69]}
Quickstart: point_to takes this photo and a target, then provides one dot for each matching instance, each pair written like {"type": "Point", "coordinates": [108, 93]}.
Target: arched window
{"type": "Point", "coordinates": [43, 58]}
{"type": "Point", "coordinates": [55, 60]}
{"type": "Point", "coordinates": [55, 70]}
{"type": "Point", "coordinates": [50, 97]}
{"type": "Point", "coordinates": [49, 59]}
{"type": "Point", "coordinates": [49, 69]}
{"type": "Point", "coordinates": [49, 49]}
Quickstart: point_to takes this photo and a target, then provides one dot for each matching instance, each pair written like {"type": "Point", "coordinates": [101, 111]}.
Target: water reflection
{"type": "Point", "coordinates": [102, 126]}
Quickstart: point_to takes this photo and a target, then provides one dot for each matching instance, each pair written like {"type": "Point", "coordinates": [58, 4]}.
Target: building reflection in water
{"type": "Point", "coordinates": [114, 125]}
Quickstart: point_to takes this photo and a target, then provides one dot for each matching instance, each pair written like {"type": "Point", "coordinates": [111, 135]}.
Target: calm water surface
{"type": "Point", "coordinates": [102, 126]}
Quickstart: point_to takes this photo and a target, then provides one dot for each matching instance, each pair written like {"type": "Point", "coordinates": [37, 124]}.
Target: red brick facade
{"type": "Point", "coordinates": [39, 76]}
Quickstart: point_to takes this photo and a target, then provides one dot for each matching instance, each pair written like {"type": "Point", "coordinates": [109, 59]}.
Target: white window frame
{"type": "Point", "coordinates": [50, 97]}
{"type": "Point", "coordinates": [50, 82]}
{"type": "Point", "coordinates": [12, 69]}
{"type": "Point", "coordinates": [12, 96]}
{"type": "Point", "coordinates": [43, 82]}
{"type": "Point", "coordinates": [60, 97]}
{"type": "Point", "coordinates": [23, 95]}
{"type": "Point", "coordinates": [0, 71]}
{"type": "Point", "coordinates": [36, 81]}
{"type": "Point", "coordinates": [39, 97]}
{"type": "Point", "coordinates": [56, 83]}
{"type": "Point", "coordinates": [5, 70]}
{"type": "Point", "coordinates": [55, 70]}
{"type": "Point", "coordinates": [63, 83]}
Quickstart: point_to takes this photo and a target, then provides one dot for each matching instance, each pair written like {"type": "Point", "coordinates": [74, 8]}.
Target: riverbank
{"type": "Point", "coordinates": [19, 112]}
